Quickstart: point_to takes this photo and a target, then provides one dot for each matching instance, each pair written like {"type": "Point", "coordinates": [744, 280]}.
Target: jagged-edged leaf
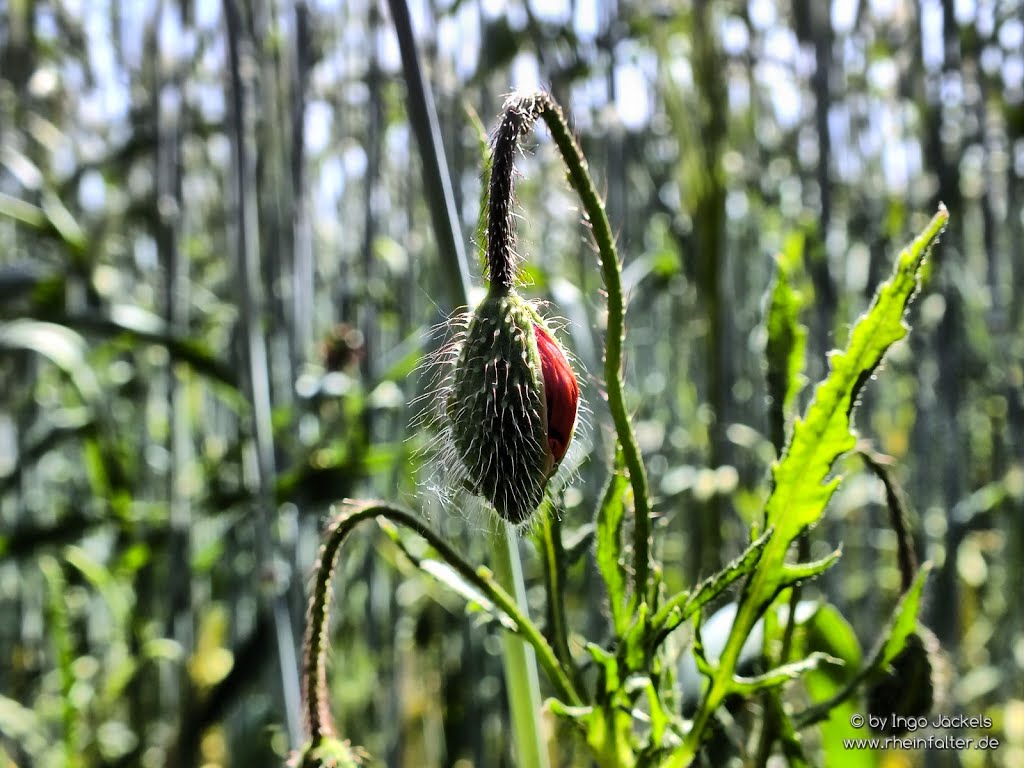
{"type": "Point", "coordinates": [610, 516]}
{"type": "Point", "coordinates": [801, 489]}
{"type": "Point", "coordinates": [786, 338]}
{"type": "Point", "coordinates": [782, 674]}
{"type": "Point", "coordinates": [683, 605]}
{"type": "Point", "coordinates": [796, 573]}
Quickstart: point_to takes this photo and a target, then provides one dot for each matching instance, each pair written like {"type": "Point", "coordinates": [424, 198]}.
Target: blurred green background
{"type": "Point", "coordinates": [218, 275]}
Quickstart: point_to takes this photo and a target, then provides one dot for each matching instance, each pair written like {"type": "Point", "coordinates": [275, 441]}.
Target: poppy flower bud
{"type": "Point", "coordinates": [512, 404]}
{"type": "Point", "coordinates": [916, 680]}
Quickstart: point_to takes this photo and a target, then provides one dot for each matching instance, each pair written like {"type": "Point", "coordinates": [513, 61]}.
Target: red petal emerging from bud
{"type": "Point", "coordinates": [561, 392]}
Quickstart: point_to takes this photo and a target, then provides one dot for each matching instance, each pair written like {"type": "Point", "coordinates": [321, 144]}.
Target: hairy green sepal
{"type": "Point", "coordinates": [497, 408]}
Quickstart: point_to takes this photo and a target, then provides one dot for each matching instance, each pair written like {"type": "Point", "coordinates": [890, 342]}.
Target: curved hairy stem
{"type": "Point", "coordinates": [317, 707]}
{"type": "Point", "coordinates": [519, 114]}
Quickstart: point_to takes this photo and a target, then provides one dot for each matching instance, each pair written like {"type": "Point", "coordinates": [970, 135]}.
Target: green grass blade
{"type": "Point", "coordinates": [787, 338]}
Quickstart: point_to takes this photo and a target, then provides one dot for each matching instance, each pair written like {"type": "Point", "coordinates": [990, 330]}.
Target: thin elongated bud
{"type": "Point", "coordinates": [913, 686]}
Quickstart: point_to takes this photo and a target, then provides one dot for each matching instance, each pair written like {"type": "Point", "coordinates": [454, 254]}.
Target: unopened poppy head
{"type": "Point", "coordinates": [512, 405]}
{"type": "Point", "coordinates": [915, 684]}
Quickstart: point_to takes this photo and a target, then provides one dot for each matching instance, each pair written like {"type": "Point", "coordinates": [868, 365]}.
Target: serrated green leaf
{"type": "Point", "coordinates": [610, 516]}
{"type": "Point", "coordinates": [795, 573]}
{"type": "Point", "coordinates": [801, 489]}
{"type": "Point", "coordinates": [682, 606]}
{"type": "Point", "coordinates": [773, 678]}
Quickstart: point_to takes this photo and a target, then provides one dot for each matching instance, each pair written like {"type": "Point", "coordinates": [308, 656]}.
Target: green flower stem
{"type": "Point", "coordinates": [520, 660]}
{"type": "Point", "coordinates": [315, 671]}
{"type": "Point", "coordinates": [519, 113]}
{"type": "Point", "coordinates": [611, 271]}
{"type": "Point", "coordinates": [554, 569]}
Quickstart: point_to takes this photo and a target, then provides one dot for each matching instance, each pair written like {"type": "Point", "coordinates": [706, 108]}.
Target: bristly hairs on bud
{"type": "Point", "coordinates": [451, 482]}
{"type": "Point", "coordinates": [506, 397]}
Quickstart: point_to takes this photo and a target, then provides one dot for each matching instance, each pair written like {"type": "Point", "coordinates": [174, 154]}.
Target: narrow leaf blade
{"type": "Point", "coordinates": [610, 517]}
{"type": "Point", "coordinates": [786, 338]}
